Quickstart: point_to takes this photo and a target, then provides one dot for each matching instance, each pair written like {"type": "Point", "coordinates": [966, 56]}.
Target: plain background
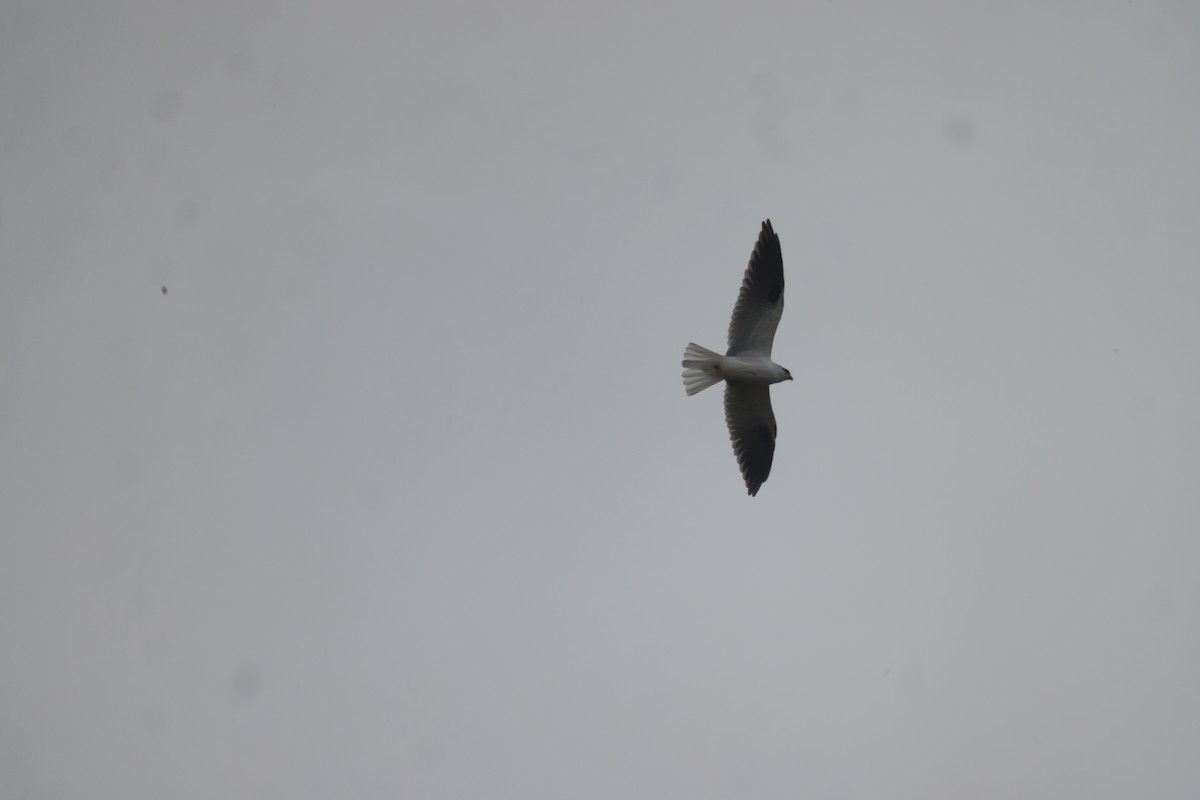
{"type": "Point", "coordinates": [396, 493]}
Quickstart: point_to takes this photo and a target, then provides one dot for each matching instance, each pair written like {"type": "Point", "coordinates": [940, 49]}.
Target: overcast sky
{"type": "Point", "coordinates": [344, 451]}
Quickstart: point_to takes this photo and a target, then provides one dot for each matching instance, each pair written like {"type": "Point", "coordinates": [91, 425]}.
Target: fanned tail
{"type": "Point", "coordinates": [701, 368]}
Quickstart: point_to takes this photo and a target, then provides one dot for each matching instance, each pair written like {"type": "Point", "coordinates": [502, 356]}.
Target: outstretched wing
{"type": "Point", "coordinates": [751, 429]}
{"type": "Point", "coordinates": [760, 303]}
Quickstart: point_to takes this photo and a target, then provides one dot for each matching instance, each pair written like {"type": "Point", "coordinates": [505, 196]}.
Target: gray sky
{"type": "Point", "coordinates": [396, 492]}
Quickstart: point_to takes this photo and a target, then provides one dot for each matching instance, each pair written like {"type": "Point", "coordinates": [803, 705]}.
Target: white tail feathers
{"type": "Point", "coordinates": [701, 368]}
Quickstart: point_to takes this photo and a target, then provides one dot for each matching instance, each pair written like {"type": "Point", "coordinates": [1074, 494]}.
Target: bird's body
{"type": "Point", "coordinates": [746, 367]}
{"type": "Point", "coordinates": [749, 369]}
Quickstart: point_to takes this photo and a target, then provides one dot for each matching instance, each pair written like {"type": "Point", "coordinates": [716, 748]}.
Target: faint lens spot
{"type": "Point", "coordinates": [1159, 603]}
{"type": "Point", "coordinates": [127, 467]}
{"type": "Point", "coordinates": [165, 105]}
{"type": "Point", "coordinates": [164, 291]}
{"type": "Point", "coordinates": [590, 154]}
{"type": "Point", "coordinates": [911, 679]}
{"type": "Point", "coordinates": [185, 214]}
{"type": "Point", "coordinates": [24, 24]}
{"type": "Point", "coordinates": [371, 495]}
{"type": "Point", "coordinates": [246, 684]}
{"type": "Point", "coordinates": [990, 602]}
{"type": "Point", "coordinates": [239, 63]}
{"type": "Point", "coordinates": [763, 83]}
{"type": "Point", "coordinates": [666, 181]}
{"type": "Point", "coordinates": [76, 139]}
{"type": "Point", "coordinates": [767, 126]}
{"type": "Point", "coordinates": [1141, 404]}
{"type": "Point", "coordinates": [959, 131]}
{"type": "Point", "coordinates": [740, 781]}
{"type": "Point", "coordinates": [1178, 11]}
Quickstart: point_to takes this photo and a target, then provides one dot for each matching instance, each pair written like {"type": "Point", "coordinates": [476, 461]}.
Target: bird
{"type": "Point", "coordinates": [746, 367]}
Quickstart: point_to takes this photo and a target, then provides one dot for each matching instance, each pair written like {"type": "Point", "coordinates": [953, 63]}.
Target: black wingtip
{"type": "Point", "coordinates": [768, 234]}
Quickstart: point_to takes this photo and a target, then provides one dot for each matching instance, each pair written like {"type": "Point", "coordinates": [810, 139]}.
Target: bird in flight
{"type": "Point", "coordinates": [746, 367]}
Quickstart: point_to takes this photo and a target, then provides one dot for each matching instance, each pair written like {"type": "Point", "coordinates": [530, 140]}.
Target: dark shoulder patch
{"type": "Point", "coordinates": [764, 433]}
{"type": "Point", "coordinates": [776, 290]}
